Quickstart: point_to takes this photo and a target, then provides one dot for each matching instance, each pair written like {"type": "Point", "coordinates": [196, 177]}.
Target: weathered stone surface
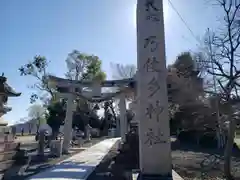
{"type": "Point", "coordinates": [152, 110]}
{"type": "Point", "coordinates": [8, 146]}
{"type": "Point", "coordinates": [56, 147]}
{"type": "Point", "coordinates": [7, 155]}
{"type": "Point", "coordinates": [6, 164]}
{"type": "Point", "coordinates": [175, 176]}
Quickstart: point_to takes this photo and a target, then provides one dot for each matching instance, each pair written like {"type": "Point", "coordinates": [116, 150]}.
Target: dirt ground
{"type": "Point", "coordinates": [194, 162]}
{"type": "Point", "coordinates": [37, 166]}
{"type": "Point", "coordinates": [186, 162]}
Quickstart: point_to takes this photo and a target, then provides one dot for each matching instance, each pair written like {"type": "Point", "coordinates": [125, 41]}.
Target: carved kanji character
{"type": "Point", "coordinates": [153, 87]}
{"type": "Point", "coordinates": [152, 42]}
{"type": "Point", "coordinates": [156, 110]}
{"type": "Point", "coordinates": [150, 4]}
{"type": "Point", "coordinates": [152, 65]}
{"type": "Point", "coordinates": [154, 137]}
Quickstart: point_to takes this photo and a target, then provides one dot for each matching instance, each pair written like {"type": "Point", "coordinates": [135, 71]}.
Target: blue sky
{"type": "Point", "coordinates": [105, 28]}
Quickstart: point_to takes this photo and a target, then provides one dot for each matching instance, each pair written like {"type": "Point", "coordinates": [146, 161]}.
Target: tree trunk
{"type": "Point", "coordinates": [54, 134]}
{"type": "Point", "coordinates": [29, 128]}
{"type": "Point", "coordinates": [198, 138]}
{"type": "Point", "coordinates": [113, 111]}
{"type": "Point", "coordinates": [229, 147]}
{"type": "Point", "coordinates": [87, 132]}
{"type": "Point", "coordinates": [41, 143]}
{"type": "Point", "coordinates": [38, 124]}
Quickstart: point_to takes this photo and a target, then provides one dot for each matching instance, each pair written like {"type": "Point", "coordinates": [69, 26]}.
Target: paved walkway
{"type": "Point", "coordinates": [79, 166]}
{"type": "Point", "coordinates": [237, 140]}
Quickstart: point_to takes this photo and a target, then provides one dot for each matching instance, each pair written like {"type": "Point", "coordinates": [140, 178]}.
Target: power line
{"type": "Point", "coordinates": [184, 22]}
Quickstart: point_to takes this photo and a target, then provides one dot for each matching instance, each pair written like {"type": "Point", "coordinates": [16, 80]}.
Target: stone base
{"type": "Point", "coordinates": [120, 145]}
{"type": "Point", "coordinates": [8, 146]}
{"type": "Point", "coordinates": [139, 176]}
{"type": "Point", "coordinates": [56, 147]}
{"type": "Point", "coordinates": [153, 177]}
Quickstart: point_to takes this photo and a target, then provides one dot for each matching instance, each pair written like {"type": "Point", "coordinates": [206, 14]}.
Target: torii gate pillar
{"type": "Point", "coordinates": [67, 129]}
{"type": "Point", "coordinates": [123, 118]}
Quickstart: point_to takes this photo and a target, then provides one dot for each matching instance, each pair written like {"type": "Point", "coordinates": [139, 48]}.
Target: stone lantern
{"type": "Point", "coordinates": [7, 144]}
{"type": "Point", "coordinates": [5, 92]}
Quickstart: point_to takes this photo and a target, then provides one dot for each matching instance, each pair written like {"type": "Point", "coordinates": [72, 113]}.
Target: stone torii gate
{"type": "Point", "coordinates": [71, 89]}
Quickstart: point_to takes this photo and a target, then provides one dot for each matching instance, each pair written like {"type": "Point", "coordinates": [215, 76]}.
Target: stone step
{"type": "Point", "coordinates": [6, 138]}
{"type": "Point", "coordinates": [7, 155]}
{"type": "Point", "coordinates": [8, 146]}
{"type": "Point", "coordinates": [5, 165]}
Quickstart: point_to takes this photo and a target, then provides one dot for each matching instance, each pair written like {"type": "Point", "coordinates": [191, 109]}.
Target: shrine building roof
{"type": "Point", "coordinates": [5, 109]}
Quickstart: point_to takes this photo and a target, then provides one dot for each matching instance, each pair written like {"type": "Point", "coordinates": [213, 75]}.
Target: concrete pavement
{"type": "Point", "coordinates": [79, 166]}
{"type": "Point", "coordinates": [25, 139]}
{"type": "Point", "coordinates": [237, 140]}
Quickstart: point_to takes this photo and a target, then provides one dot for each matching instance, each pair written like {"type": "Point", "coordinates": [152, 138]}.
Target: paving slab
{"type": "Point", "coordinates": [79, 166]}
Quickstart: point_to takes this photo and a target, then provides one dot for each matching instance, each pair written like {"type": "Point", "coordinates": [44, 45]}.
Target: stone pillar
{"type": "Point", "coordinates": [117, 128]}
{"type": "Point", "coordinates": [152, 108]}
{"type": "Point", "coordinates": [123, 120]}
{"type": "Point", "coordinates": [132, 107]}
{"type": "Point", "coordinates": [68, 123]}
{"type": "Point", "coordinates": [88, 133]}
{"type": "Point", "coordinates": [41, 143]}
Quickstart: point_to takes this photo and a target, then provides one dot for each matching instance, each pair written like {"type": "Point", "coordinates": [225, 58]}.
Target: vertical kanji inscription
{"type": "Point", "coordinates": [154, 137]}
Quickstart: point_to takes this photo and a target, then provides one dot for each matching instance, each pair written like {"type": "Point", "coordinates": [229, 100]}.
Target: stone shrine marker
{"type": "Point", "coordinates": [154, 130]}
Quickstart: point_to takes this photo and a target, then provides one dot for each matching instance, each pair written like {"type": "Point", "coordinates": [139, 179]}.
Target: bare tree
{"type": "Point", "coordinates": [123, 71]}
{"type": "Point", "coordinates": [84, 66]}
{"type": "Point", "coordinates": [76, 64]}
{"type": "Point", "coordinates": [184, 81]}
{"type": "Point", "coordinates": [36, 114]}
{"type": "Point", "coordinates": [22, 120]}
{"type": "Point", "coordinates": [222, 47]}
{"type": "Point", "coordinates": [30, 127]}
